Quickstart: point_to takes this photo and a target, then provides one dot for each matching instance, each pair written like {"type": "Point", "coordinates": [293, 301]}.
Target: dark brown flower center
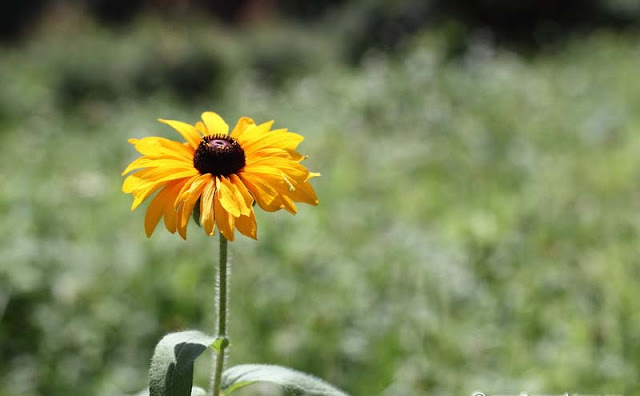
{"type": "Point", "coordinates": [219, 154]}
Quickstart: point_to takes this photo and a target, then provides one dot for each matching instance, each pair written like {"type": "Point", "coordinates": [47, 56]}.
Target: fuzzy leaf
{"type": "Point", "coordinates": [291, 381]}
{"type": "Point", "coordinates": [195, 391]}
{"type": "Point", "coordinates": [171, 372]}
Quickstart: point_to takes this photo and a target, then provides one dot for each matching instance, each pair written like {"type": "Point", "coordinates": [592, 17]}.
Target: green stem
{"type": "Point", "coordinates": [222, 341]}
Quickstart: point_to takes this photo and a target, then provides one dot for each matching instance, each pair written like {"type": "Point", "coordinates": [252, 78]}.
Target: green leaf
{"type": "Point", "coordinates": [196, 213]}
{"type": "Point", "coordinates": [171, 372]}
{"type": "Point", "coordinates": [291, 381]}
{"type": "Point", "coordinates": [219, 343]}
{"type": "Point", "coordinates": [195, 391]}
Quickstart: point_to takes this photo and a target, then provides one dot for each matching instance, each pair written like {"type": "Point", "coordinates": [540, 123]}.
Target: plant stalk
{"type": "Point", "coordinates": [222, 341]}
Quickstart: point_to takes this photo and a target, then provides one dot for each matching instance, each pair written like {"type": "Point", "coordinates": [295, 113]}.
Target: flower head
{"type": "Point", "coordinates": [222, 173]}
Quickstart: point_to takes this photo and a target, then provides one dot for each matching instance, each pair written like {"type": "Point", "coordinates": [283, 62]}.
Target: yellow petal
{"type": "Point", "coordinates": [265, 126]}
{"type": "Point", "coordinates": [262, 192]}
{"type": "Point", "coordinates": [206, 207]}
{"type": "Point", "coordinates": [269, 195]}
{"type": "Point", "coordinates": [288, 205]}
{"type": "Point", "coordinates": [182, 228]}
{"type": "Point", "coordinates": [148, 162]}
{"type": "Point", "coordinates": [239, 199]}
{"type": "Point", "coordinates": [242, 189]}
{"type": "Point", "coordinates": [273, 177]}
{"type": "Point", "coordinates": [215, 123]}
{"type": "Point", "coordinates": [201, 128]}
{"type": "Point", "coordinates": [241, 126]}
{"type": "Point", "coordinates": [187, 194]}
{"type": "Point", "coordinates": [169, 210]}
{"type": "Point", "coordinates": [222, 218]}
{"type": "Point", "coordinates": [133, 181]}
{"type": "Point", "coordinates": [159, 147]}
{"type": "Point", "coordinates": [190, 199]}
{"type": "Point", "coordinates": [274, 152]}
{"type": "Point", "coordinates": [228, 196]}
{"type": "Point", "coordinates": [247, 225]}
{"type": "Point", "coordinates": [274, 190]}
{"type": "Point", "coordinates": [185, 187]}
{"type": "Point", "coordinates": [188, 132]}
{"type": "Point", "coordinates": [157, 207]}
{"type": "Point", "coordinates": [303, 192]}
{"type": "Point", "coordinates": [154, 212]}
{"type": "Point", "coordinates": [145, 178]}
{"type": "Point", "coordinates": [253, 132]}
{"type": "Point", "coordinates": [252, 142]}
{"type": "Point", "coordinates": [144, 194]}
{"type": "Point", "coordinates": [141, 190]}
{"type": "Point", "coordinates": [278, 166]}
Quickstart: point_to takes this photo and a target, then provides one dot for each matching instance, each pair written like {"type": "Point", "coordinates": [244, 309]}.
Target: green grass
{"type": "Point", "coordinates": [478, 225]}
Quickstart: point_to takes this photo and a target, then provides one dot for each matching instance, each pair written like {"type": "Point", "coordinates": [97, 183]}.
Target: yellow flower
{"type": "Point", "coordinates": [224, 173]}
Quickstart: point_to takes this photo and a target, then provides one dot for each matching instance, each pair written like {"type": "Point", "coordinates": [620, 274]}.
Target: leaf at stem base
{"type": "Point", "coordinates": [171, 372]}
{"type": "Point", "coordinates": [291, 381]}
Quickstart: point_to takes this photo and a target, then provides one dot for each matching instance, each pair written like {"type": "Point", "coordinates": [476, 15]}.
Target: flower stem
{"type": "Point", "coordinates": [222, 341]}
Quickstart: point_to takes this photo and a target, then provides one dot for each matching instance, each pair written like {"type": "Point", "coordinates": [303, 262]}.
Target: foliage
{"type": "Point", "coordinates": [478, 224]}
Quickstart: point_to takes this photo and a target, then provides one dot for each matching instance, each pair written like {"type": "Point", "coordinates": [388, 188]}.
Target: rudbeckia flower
{"type": "Point", "coordinates": [225, 174]}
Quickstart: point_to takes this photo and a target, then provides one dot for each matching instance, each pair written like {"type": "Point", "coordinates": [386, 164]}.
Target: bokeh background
{"type": "Point", "coordinates": [479, 217]}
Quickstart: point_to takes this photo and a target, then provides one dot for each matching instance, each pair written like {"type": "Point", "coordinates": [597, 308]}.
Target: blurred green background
{"type": "Point", "coordinates": [479, 217]}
